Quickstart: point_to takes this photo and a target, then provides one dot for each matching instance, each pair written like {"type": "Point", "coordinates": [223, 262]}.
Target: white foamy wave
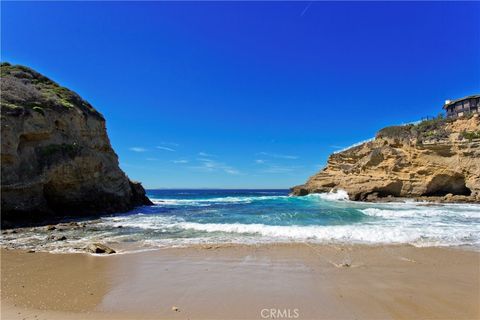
{"type": "Point", "coordinates": [357, 234]}
{"type": "Point", "coordinates": [421, 212]}
{"type": "Point", "coordinates": [140, 221]}
{"type": "Point", "coordinates": [332, 195]}
{"type": "Point", "coordinates": [179, 202]}
{"type": "Point", "coordinates": [207, 202]}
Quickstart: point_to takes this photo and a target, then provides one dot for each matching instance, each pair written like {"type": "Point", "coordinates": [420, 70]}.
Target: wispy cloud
{"type": "Point", "coordinates": [306, 8]}
{"type": "Point", "coordinates": [209, 165]}
{"type": "Point", "coordinates": [138, 149]}
{"type": "Point", "coordinates": [353, 145]}
{"type": "Point", "coordinates": [165, 148]}
{"type": "Point", "coordinates": [170, 144]}
{"type": "Point", "coordinates": [180, 161]}
{"type": "Point", "coordinates": [278, 156]}
{"type": "Point", "coordinates": [279, 169]}
{"type": "Point", "coordinates": [231, 171]}
{"type": "Point", "coordinates": [269, 167]}
{"type": "Point", "coordinates": [204, 154]}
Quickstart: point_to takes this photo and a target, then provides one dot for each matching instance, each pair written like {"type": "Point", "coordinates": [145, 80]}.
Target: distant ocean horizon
{"type": "Point", "coordinates": [184, 217]}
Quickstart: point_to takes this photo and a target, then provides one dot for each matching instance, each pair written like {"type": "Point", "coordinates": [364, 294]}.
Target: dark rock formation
{"type": "Point", "coordinates": [99, 248]}
{"type": "Point", "coordinates": [56, 156]}
{"type": "Point", "coordinates": [434, 160]}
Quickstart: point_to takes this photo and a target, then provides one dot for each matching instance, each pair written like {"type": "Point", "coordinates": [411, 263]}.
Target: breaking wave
{"type": "Point", "coordinates": [379, 234]}
{"type": "Point", "coordinates": [194, 202]}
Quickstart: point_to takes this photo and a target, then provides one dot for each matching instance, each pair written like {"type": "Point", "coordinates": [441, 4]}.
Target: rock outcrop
{"type": "Point", "coordinates": [56, 158]}
{"type": "Point", "coordinates": [99, 248]}
{"type": "Point", "coordinates": [436, 159]}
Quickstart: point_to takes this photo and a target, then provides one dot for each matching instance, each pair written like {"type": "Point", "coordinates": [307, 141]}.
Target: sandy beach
{"type": "Point", "coordinates": [299, 281]}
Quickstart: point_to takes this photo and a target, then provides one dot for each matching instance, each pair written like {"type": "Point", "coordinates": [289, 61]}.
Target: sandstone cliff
{"type": "Point", "coordinates": [435, 159]}
{"type": "Point", "coordinates": [56, 158]}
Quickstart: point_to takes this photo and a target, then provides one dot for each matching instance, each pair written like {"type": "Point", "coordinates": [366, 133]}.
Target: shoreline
{"type": "Point", "coordinates": [239, 281]}
{"type": "Point", "coordinates": [133, 249]}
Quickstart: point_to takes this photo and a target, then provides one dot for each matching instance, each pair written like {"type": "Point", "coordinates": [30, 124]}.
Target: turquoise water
{"type": "Point", "coordinates": [185, 217]}
{"type": "Point", "coordinates": [270, 207]}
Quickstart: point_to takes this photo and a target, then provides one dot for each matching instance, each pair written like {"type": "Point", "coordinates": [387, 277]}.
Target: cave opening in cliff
{"type": "Point", "coordinates": [444, 184]}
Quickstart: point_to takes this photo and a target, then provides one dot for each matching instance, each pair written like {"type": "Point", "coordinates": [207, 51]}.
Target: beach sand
{"type": "Point", "coordinates": [290, 281]}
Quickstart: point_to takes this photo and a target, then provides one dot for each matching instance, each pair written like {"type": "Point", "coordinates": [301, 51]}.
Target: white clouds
{"type": "Point", "coordinates": [205, 162]}
{"type": "Point", "coordinates": [268, 167]}
{"type": "Point", "coordinates": [354, 145]}
{"type": "Point", "coordinates": [165, 148]}
{"type": "Point", "coordinates": [209, 165]}
{"type": "Point", "coordinates": [279, 169]}
{"type": "Point", "coordinates": [278, 156]}
{"type": "Point", "coordinates": [306, 8]}
{"type": "Point", "coordinates": [231, 171]}
{"type": "Point", "coordinates": [160, 147]}
{"type": "Point", "coordinates": [204, 154]}
{"type": "Point", "coordinates": [170, 144]}
{"type": "Point", "coordinates": [180, 161]}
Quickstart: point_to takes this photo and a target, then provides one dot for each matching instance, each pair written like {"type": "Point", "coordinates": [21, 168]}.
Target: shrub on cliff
{"type": "Point", "coordinates": [396, 132]}
{"type": "Point", "coordinates": [23, 87]}
{"type": "Point", "coordinates": [430, 129]}
{"type": "Point", "coordinates": [470, 135]}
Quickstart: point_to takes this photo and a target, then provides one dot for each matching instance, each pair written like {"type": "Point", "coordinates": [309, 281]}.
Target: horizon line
{"type": "Point", "coordinates": [217, 188]}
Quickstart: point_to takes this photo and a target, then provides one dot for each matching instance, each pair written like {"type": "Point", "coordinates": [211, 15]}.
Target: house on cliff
{"type": "Point", "coordinates": [463, 106]}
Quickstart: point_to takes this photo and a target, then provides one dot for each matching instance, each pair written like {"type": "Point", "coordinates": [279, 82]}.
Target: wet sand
{"type": "Point", "coordinates": [297, 281]}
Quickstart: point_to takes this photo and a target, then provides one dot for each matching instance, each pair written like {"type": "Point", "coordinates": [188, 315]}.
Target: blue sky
{"type": "Point", "coordinates": [247, 94]}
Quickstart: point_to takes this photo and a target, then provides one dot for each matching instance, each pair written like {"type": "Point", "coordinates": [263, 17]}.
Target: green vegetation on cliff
{"type": "Point", "coordinates": [25, 89]}
{"type": "Point", "coordinates": [431, 129]}
{"type": "Point", "coordinates": [471, 135]}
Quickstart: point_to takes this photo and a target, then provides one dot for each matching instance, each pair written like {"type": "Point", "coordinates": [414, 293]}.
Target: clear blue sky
{"type": "Point", "coordinates": [247, 94]}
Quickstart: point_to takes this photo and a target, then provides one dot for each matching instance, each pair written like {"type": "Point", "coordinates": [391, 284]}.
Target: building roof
{"type": "Point", "coordinates": [461, 99]}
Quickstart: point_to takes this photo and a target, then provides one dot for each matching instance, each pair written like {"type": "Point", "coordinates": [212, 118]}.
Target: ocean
{"type": "Point", "coordinates": [190, 217]}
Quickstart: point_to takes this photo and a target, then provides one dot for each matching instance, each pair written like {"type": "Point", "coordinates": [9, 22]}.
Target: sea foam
{"type": "Point", "coordinates": [335, 195]}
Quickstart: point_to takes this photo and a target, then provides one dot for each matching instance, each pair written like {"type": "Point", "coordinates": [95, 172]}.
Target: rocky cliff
{"type": "Point", "coordinates": [436, 159]}
{"type": "Point", "coordinates": [56, 158]}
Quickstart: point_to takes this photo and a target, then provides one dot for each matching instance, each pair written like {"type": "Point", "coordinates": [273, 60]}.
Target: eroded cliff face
{"type": "Point", "coordinates": [436, 159]}
{"type": "Point", "coordinates": [56, 156]}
